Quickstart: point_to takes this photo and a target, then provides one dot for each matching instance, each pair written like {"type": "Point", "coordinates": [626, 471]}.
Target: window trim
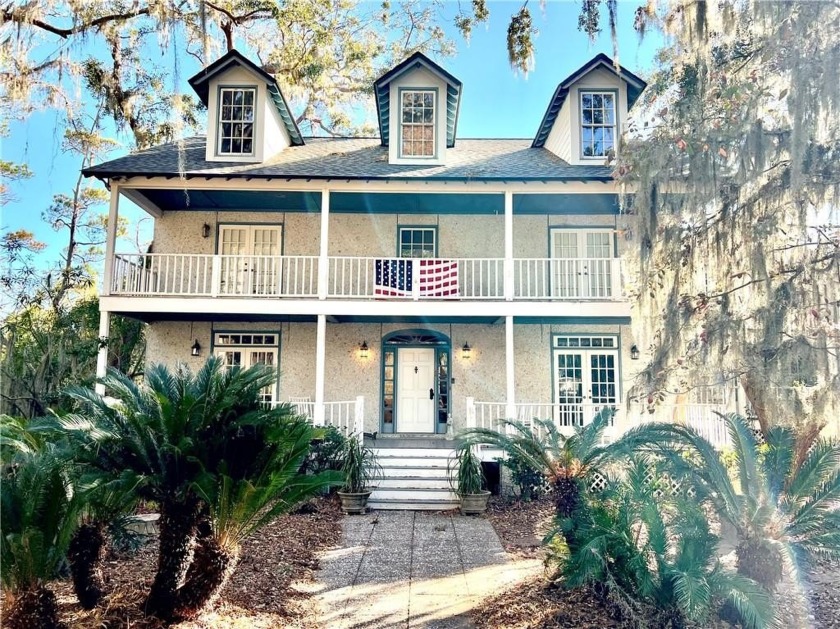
{"type": "Point", "coordinates": [616, 124]}
{"type": "Point", "coordinates": [400, 228]}
{"type": "Point", "coordinates": [219, 90]}
{"type": "Point", "coordinates": [435, 117]}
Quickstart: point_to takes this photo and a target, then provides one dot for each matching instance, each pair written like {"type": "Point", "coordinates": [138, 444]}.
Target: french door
{"type": "Point", "coordinates": [250, 259]}
{"type": "Point", "coordinates": [582, 263]}
{"type": "Point", "coordinates": [246, 349]}
{"type": "Point", "coordinates": [585, 382]}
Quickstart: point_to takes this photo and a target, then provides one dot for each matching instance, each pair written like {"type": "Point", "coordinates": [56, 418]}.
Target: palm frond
{"type": "Point", "coordinates": [752, 603]}
{"type": "Point", "coordinates": [821, 463]}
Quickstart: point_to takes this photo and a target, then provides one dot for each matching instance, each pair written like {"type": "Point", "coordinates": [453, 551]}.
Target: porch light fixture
{"type": "Point", "coordinates": [466, 351]}
{"type": "Point", "coordinates": [634, 353]}
{"type": "Point", "coordinates": [205, 231]}
{"type": "Point", "coordinates": [195, 350]}
{"type": "Point", "coordinates": [364, 350]}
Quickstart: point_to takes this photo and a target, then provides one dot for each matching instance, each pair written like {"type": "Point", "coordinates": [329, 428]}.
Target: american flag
{"type": "Point", "coordinates": [436, 278]}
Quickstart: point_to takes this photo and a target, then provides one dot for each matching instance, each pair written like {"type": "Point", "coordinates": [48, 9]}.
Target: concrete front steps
{"type": "Point", "coordinates": [414, 475]}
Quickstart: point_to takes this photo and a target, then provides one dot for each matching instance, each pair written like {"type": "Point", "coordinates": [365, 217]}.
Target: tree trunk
{"type": "Point", "coordinates": [178, 522]}
{"type": "Point", "coordinates": [87, 548]}
{"type": "Point", "coordinates": [754, 389]}
{"type": "Point", "coordinates": [209, 571]}
{"type": "Point", "coordinates": [34, 607]}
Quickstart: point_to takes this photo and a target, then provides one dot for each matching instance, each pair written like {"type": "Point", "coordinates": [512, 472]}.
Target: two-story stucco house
{"type": "Point", "coordinates": [406, 285]}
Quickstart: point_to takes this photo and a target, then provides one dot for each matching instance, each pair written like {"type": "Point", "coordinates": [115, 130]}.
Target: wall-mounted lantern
{"type": "Point", "coordinates": [634, 353]}
{"type": "Point", "coordinates": [364, 350]}
{"type": "Point", "coordinates": [466, 351]}
{"type": "Point", "coordinates": [205, 231]}
{"type": "Point", "coordinates": [195, 350]}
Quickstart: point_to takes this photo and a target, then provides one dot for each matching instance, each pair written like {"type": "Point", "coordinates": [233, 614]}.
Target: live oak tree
{"type": "Point", "coordinates": [735, 256]}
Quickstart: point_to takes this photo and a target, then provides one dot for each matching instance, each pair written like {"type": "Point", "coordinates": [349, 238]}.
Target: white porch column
{"type": "Point", "coordinates": [510, 407]}
{"type": "Point", "coordinates": [320, 365]}
{"type": "Point", "coordinates": [110, 240]}
{"type": "Point", "coordinates": [508, 246]}
{"type": "Point", "coordinates": [323, 259]}
{"type": "Point", "coordinates": [102, 356]}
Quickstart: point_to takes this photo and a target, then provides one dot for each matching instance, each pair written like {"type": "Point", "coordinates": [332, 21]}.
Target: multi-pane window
{"type": "Point", "coordinates": [418, 123]}
{"type": "Point", "coordinates": [597, 111]}
{"type": "Point", "coordinates": [585, 377]}
{"type": "Point", "coordinates": [236, 121]}
{"type": "Point", "coordinates": [417, 242]}
{"type": "Point", "coordinates": [247, 349]}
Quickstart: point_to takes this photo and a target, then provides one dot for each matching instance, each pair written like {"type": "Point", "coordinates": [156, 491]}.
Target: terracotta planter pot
{"type": "Point", "coordinates": [472, 504]}
{"type": "Point", "coordinates": [354, 503]}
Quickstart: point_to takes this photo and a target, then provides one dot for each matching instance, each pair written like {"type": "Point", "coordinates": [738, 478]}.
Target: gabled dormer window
{"type": "Point", "coordinates": [597, 111]}
{"type": "Point", "coordinates": [236, 120]}
{"type": "Point", "coordinates": [417, 129]}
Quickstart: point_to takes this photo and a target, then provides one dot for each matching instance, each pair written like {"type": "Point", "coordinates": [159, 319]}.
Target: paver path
{"type": "Point", "coordinates": [413, 569]}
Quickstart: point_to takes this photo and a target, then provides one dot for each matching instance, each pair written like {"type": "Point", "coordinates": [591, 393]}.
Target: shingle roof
{"type": "Point", "coordinates": [357, 158]}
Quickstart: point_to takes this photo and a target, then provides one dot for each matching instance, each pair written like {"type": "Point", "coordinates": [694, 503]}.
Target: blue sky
{"type": "Point", "coordinates": [496, 102]}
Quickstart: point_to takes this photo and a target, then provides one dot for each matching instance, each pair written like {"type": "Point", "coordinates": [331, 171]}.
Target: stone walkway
{"type": "Point", "coordinates": [413, 569]}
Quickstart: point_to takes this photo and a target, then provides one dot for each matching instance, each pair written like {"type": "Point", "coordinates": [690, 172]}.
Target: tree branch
{"type": "Point", "coordinates": [19, 16]}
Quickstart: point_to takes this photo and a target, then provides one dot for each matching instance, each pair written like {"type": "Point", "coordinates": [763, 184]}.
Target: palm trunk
{"type": "Point", "coordinates": [85, 555]}
{"type": "Point", "coordinates": [760, 562]}
{"type": "Point", "coordinates": [34, 607]}
{"type": "Point", "coordinates": [210, 570]}
{"type": "Point", "coordinates": [178, 522]}
{"type": "Point", "coordinates": [566, 496]}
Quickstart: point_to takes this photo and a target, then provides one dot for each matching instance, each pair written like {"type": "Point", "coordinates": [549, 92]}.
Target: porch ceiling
{"type": "Point", "coordinates": [232, 200]}
{"type": "Point", "coordinates": [373, 202]}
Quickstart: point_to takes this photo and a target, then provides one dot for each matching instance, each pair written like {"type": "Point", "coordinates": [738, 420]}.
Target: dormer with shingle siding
{"type": "Point", "coordinates": [248, 119]}
{"type": "Point", "coordinates": [417, 104]}
{"type": "Point", "coordinates": [584, 119]}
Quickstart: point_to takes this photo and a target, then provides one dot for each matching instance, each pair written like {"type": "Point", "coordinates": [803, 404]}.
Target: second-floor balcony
{"type": "Point", "coordinates": [366, 278]}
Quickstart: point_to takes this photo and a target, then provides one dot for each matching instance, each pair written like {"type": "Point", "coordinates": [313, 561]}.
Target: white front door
{"type": "Point", "coordinates": [416, 392]}
{"type": "Point", "coordinates": [250, 261]}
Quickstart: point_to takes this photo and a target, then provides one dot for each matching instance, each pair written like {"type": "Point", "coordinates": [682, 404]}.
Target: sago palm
{"type": "Point", "coordinates": [567, 462]}
{"type": "Point", "coordinates": [639, 546]}
{"type": "Point", "coordinates": [238, 507]}
{"type": "Point", "coordinates": [781, 507]}
{"type": "Point", "coordinates": [161, 437]}
{"type": "Point", "coordinates": [38, 513]}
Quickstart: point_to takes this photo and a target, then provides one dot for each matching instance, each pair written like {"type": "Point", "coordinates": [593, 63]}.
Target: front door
{"type": "Point", "coordinates": [249, 259]}
{"type": "Point", "coordinates": [416, 393]}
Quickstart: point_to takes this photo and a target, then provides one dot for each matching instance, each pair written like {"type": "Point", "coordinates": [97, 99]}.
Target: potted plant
{"type": "Point", "coordinates": [467, 479]}
{"type": "Point", "coordinates": [359, 468]}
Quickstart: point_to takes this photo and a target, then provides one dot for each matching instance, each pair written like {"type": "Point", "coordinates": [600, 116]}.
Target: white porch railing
{"type": "Point", "coordinates": [566, 278]}
{"type": "Point", "coordinates": [205, 275]}
{"type": "Point", "coordinates": [565, 416]}
{"type": "Point", "coordinates": [198, 275]}
{"type": "Point", "coordinates": [348, 416]}
{"type": "Point", "coordinates": [703, 418]}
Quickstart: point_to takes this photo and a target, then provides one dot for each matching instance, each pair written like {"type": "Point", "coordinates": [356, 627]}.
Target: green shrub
{"type": "Point", "coordinates": [326, 452]}
{"type": "Point", "coordinates": [641, 549]}
{"type": "Point", "coordinates": [529, 480]}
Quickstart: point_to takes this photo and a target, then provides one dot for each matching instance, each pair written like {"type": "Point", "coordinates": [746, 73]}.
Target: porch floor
{"type": "Point", "coordinates": [410, 441]}
{"type": "Point", "coordinates": [413, 569]}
